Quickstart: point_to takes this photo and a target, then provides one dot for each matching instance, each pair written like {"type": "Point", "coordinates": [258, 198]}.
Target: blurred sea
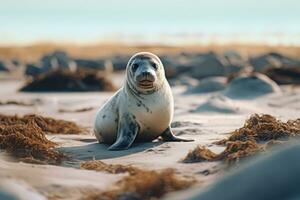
{"type": "Point", "coordinates": [156, 21]}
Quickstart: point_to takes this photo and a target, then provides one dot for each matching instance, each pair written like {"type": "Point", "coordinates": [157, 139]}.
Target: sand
{"type": "Point", "coordinates": [205, 117]}
{"type": "Point", "coordinates": [205, 127]}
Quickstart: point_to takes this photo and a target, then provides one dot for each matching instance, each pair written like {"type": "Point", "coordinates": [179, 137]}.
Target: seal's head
{"type": "Point", "coordinates": [145, 72]}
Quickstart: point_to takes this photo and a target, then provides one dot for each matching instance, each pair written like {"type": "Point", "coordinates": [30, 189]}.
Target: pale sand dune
{"type": "Point", "coordinates": [204, 127]}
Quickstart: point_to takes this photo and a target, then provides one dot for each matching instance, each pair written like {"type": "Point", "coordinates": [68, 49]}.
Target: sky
{"type": "Point", "coordinates": [88, 21]}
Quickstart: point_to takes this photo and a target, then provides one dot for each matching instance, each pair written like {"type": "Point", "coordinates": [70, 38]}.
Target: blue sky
{"type": "Point", "coordinates": [24, 21]}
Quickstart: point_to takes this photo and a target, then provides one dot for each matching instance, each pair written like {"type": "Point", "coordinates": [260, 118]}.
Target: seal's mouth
{"type": "Point", "coordinates": [145, 84]}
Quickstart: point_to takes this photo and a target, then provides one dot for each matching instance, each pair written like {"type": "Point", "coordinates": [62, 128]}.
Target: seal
{"type": "Point", "coordinates": [141, 110]}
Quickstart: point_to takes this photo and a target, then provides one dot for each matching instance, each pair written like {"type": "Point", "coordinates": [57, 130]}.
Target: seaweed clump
{"type": "Point", "coordinates": [25, 137]}
{"type": "Point", "coordinates": [98, 165]}
{"type": "Point", "coordinates": [68, 81]}
{"type": "Point", "coordinates": [263, 128]}
{"type": "Point", "coordinates": [46, 124]}
{"type": "Point", "coordinates": [258, 134]}
{"type": "Point", "coordinates": [28, 141]}
{"type": "Point", "coordinates": [199, 154]}
{"type": "Point", "coordinates": [233, 152]}
{"type": "Point", "coordinates": [146, 185]}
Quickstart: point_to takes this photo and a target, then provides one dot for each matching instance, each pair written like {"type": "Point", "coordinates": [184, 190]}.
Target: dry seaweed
{"type": "Point", "coordinates": [47, 124]}
{"type": "Point", "coordinates": [68, 81]}
{"type": "Point", "coordinates": [28, 141]}
{"type": "Point", "coordinates": [25, 137]}
{"type": "Point", "coordinates": [146, 185]}
{"type": "Point", "coordinates": [237, 150]}
{"type": "Point", "coordinates": [259, 133]}
{"type": "Point", "coordinates": [98, 165]}
{"type": "Point", "coordinates": [199, 154]}
{"type": "Point", "coordinates": [264, 128]}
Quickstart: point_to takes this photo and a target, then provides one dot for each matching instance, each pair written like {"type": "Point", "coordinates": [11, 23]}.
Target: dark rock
{"type": "Point", "coordinates": [207, 65]}
{"type": "Point", "coordinates": [91, 64]}
{"type": "Point", "coordinates": [235, 62]}
{"type": "Point", "coordinates": [119, 62]}
{"type": "Point", "coordinates": [68, 81]}
{"type": "Point", "coordinates": [7, 196]}
{"type": "Point", "coordinates": [58, 60]}
{"type": "Point", "coordinates": [33, 70]}
{"type": "Point", "coordinates": [210, 84]}
{"type": "Point", "coordinates": [55, 60]}
{"type": "Point", "coordinates": [284, 75]}
{"type": "Point", "coordinates": [272, 60]}
{"type": "Point", "coordinates": [273, 176]}
{"type": "Point", "coordinates": [15, 62]}
{"type": "Point", "coordinates": [184, 80]}
{"type": "Point", "coordinates": [263, 62]}
{"type": "Point", "coordinates": [4, 67]}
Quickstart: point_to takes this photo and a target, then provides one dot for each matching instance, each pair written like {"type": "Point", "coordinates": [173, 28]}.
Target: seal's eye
{"type": "Point", "coordinates": [134, 67]}
{"type": "Point", "coordinates": [154, 65]}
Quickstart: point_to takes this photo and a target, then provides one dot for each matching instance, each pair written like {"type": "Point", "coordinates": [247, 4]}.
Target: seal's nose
{"type": "Point", "coordinates": [145, 76]}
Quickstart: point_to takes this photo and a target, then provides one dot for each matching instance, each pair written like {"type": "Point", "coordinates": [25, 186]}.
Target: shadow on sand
{"type": "Point", "coordinates": [96, 151]}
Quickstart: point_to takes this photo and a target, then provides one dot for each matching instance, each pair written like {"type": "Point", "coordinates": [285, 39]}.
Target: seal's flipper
{"type": "Point", "coordinates": [168, 136]}
{"type": "Point", "coordinates": [127, 132]}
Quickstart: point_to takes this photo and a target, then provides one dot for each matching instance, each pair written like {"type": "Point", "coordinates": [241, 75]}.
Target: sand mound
{"type": "Point", "coordinates": [210, 84]}
{"type": "Point", "coordinates": [252, 86]}
{"type": "Point", "coordinates": [221, 104]}
{"type": "Point", "coordinates": [246, 141]}
{"type": "Point", "coordinates": [68, 81]}
{"type": "Point", "coordinates": [98, 165]}
{"type": "Point", "coordinates": [284, 75]}
{"type": "Point", "coordinates": [144, 185]}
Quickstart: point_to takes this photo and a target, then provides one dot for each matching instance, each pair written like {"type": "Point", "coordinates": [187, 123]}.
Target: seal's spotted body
{"type": "Point", "coordinates": [141, 110]}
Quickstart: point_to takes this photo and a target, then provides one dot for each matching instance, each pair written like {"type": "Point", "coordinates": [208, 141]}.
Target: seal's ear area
{"type": "Point", "coordinates": [168, 136]}
{"type": "Point", "coordinates": [127, 132]}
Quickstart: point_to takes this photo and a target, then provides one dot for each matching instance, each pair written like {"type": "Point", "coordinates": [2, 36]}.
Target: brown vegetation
{"type": "Point", "coordinates": [262, 128]}
{"type": "Point", "coordinates": [139, 184]}
{"type": "Point", "coordinates": [25, 137]}
{"type": "Point", "coordinates": [98, 165]}
{"type": "Point", "coordinates": [146, 185]}
{"type": "Point", "coordinates": [67, 81]}
{"type": "Point", "coordinates": [33, 52]}
{"type": "Point", "coordinates": [46, 124]}
{"type": "Point", "coordinates": [28, 140]}
{"type": "Point", "coordinates": [199, 154]}
{"type": "Point", "coordinates": [246, 141]}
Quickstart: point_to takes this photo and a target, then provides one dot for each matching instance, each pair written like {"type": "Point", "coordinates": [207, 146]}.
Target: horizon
{"type": "Point", "coordinates": [133, 21]}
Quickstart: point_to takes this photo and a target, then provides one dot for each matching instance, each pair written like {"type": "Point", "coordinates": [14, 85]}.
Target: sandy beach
{"type": "Point", "coordinates": [206, 117]}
